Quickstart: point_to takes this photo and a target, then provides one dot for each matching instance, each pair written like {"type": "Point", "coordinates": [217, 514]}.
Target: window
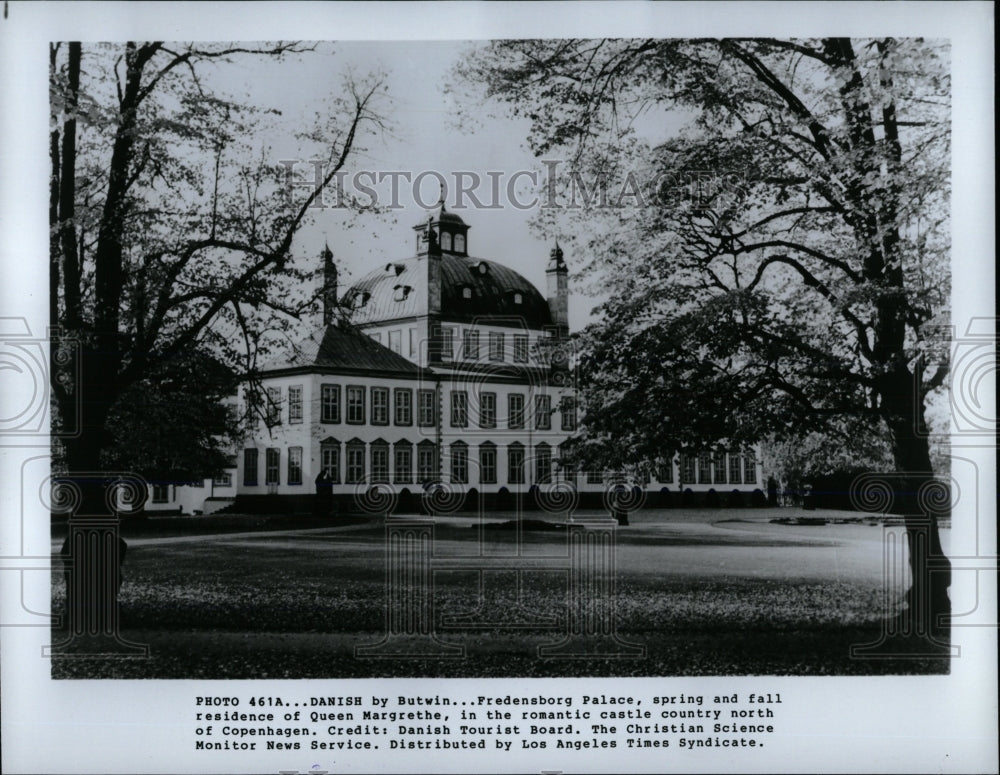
{"type": "Point", "coordinates": [704, 468]}
{"type": "Point", "coordinates": [447, 344]}
{"type": "Point", "coordinates": [719, 468]}
{"type": "Point", "coordinates": [543, 413]}
{"type": "Point", "coordinates": [595, 477]}
{"type": "Point", "coordinates": [355, 405]}
{"type": "Point", "coordinates": [402, 472]}
{"type": "Point", "coordinates": [295, 403]}
{"type": "Point", "coordinates": [380, 461]}
{"type": "Point", "coordinates": [488, 463]}
{"type": "Point", "coordinates": [515, 410]}
{"type": "Point", "coordinates": [568, 410]}
{"type": "Point", "coordinates": [250, 467]}
{"type": "Point", "coordinates": [459, 243]}
{"type": "Point", "coordinates": [355, 462]}
{"type": "Point", "coordinates": [380, 406]}
{"type": "Point", "coordinates": [735, 470]}
{"type": "Point", "coordinates": [466, 292]}
{"type": "Point", "coordinates": [488, 410]}
{"type": "Point", "coordinates": [543, 464]}
{"type": "Point", "coordinates": [295, 465]}
{"type": "Point", "coordinates": [459, 409]}
{"type": "Point", "coordinates": [567, 469]}
{"type": "Point", "coordinates": [161, 492]}
{"type": "Point", "coordinates": [223, 480]}
{"type": "Point", "coordinates": [399, 293]}
{"type": "Point", "coordinates": [403, 406]}
{"type": "Point", "coordinates": [665, 471]}
{"type": "Point", "coordinates": [749, 469]}
{"type": "Point", "coordinates": [272, 466]}
{"type": "Point", "coordinates": [396, 341]}
{"type": "Point", "coordinates": [521, 349]}
{"type": "Point", "coordinates": [470, 345]}
{"type": "Point", "coordinates": [274, 406]}
{"type": "Point", "coordinates": [426, 462]}
{"type": "Point", "coordinates": [518, 298]}
{"type": "Point", "coordinates": [330, 460]}
{"type": "Point", "coordinates": [687, 469]}
{"type": "Point", "coordinates": [413, 343]}
{"type": "Point", "coordinates": [460, 463]}
{"type": "Point", "coordinates": [496, 346]}
{"type": "Point", "coordinates": [446, 241]}
{"type": "Point", "coordinates": [425, 406]}
{"type": "Point", "coordinates": [515, 464]}
{"type": "Point", "coordinates": [330, 400]}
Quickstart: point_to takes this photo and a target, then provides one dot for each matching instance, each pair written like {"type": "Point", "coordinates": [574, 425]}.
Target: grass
{"type": "Point", "coordinates": [734, 596]}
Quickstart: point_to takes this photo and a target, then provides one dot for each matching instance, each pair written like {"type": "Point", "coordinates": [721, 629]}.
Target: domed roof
{"type": "Point", "coordinates": [450, 217]}
{"type": "Point", "coordinates": [471, 288]}
{"type": "Point", "coordinates": [442, 215]}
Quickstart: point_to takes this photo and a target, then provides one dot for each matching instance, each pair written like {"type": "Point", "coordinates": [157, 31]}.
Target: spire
{"type": "Point", "coordinates": [556, 257]}
{"type": "Point", "coordinates": [329, 286]}
{"type": "Point", "coordinates": [557, 286]}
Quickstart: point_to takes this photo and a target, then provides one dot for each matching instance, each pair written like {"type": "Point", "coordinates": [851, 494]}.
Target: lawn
{"type": "Point", "coordinates": [705, 592]}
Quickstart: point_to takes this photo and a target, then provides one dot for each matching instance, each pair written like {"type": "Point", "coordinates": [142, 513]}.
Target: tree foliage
{"type": "Point", "coordinates": [774, 245]}
{"type": "Point", "coordinates": [176, 424]}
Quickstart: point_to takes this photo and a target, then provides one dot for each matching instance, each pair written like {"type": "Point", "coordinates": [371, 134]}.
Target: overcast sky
{"type": "Point", "coordinates": [425, 136]}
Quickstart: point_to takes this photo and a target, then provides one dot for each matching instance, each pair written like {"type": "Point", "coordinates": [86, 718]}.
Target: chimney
{"type": "Point", "coordinates": [557, 290]}
{"type": "Point", "coordinates": [329, 287]}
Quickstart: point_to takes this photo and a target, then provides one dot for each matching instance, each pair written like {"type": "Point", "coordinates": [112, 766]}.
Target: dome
{"type": "Point", "coordinates": [471, 288]}
{"type": "Point", "coordinates": [443, 215]}
{"type": "Point", "coordinates": [449, 217]}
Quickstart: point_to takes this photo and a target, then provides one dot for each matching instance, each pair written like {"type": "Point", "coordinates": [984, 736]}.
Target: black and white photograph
{"type": "Point", "coordinates": [573, 397]}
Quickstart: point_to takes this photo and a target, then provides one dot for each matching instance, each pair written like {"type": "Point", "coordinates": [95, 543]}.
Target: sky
{"type": "Point", "coordinates": [425, 136]}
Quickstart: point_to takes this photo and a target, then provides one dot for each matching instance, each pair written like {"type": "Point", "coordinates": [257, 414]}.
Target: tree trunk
{"type": "Point", "coordinates": [93, 551]}
{"type": "Point", "coordinates": [918, 498]}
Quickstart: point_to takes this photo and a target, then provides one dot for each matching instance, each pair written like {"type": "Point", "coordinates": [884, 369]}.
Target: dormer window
{"type": "Point", "coordinates": [362, 299]}
{"type": "Point", "coordinates": [466, 292]}
{"type": "Point", "coordinates": [396, 269]}
{"type": "Point", "coordinates": [518, 298]}
{"type": "Point", "coordinates": [400, 292]}
{"type": "Point", "coordinates": [481, 267]}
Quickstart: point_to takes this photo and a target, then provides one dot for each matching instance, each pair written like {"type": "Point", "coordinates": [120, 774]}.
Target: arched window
{"type": "Point", "coordinates": [459, 462]}
{"type": "Point", "coordinates": [330, 458]}
{"type": "Point", "coordinates": [446, 241]}
{"type": "Point", "coordinates": [543, 463]}
{"type": "Point", "coordinates": [488, 463]}
{"type": "Point", "coordinates": [355, 461]}
{"type": "Point", "coordinates": [515, 463]}
{"type": "Point", "coordinates": [459, 243]}
{"type": "Point", "coordinates": [402, 462]}
{"type": "Point", "coordinates": [427, 464]}
{"type": "Point", "coordinates": [466, 292]}
{"type": "Point", "coordinates": [380, 461]}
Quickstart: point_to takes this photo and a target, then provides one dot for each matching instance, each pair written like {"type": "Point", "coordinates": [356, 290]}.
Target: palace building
{"type": "Point", "coordinates": [440, 369]}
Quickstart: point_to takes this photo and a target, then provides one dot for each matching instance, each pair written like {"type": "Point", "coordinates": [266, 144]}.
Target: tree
{"type": "Point", "coordinates": [167, 235]}
{"type": "Point", "coordinates": [171, 231]}
{"type": "Point", "coordinates": [176, 425]}
{"type": "Point", "coordinates": [773, 241]}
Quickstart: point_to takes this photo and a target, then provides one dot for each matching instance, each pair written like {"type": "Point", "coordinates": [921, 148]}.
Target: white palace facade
{"type": "Point", "coordinates": [453, 373]}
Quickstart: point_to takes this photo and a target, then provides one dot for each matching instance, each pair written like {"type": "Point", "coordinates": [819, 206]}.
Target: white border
{"type": "Point", "coordinates": [945, 724]}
